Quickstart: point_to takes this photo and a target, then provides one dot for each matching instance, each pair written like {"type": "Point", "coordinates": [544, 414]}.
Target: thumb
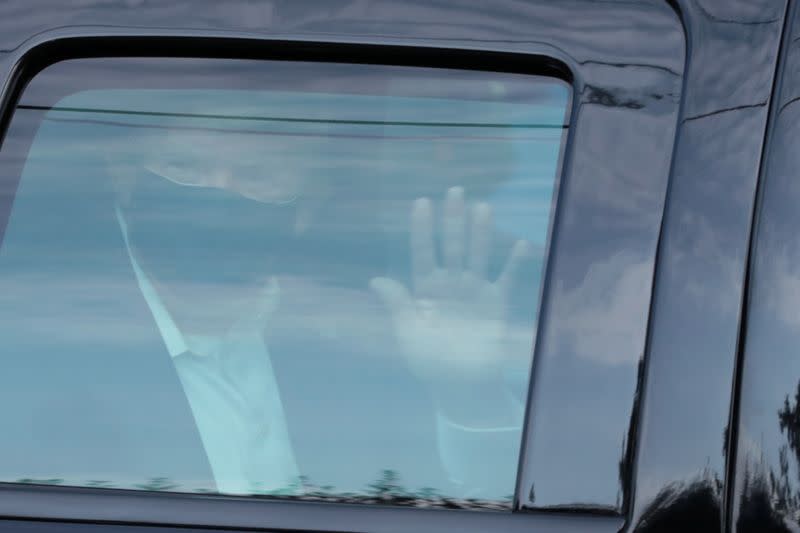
{"type": "Point", "coordinates": [393, 294]}
{"type": "Point", "coordinates": [268, 298]}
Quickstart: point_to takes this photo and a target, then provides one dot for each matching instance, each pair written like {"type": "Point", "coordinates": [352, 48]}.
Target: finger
{"type": "Point", "coordinates": [423, 259]}
{"type": "Point", "coordinates": [393, 295]}
{"type": "Point", "coordinates": [270, 298]}
{"type": "Point", "coordinates": [520, 251]}
{"type": "Point", "coordinates": [480, 237]}
{"type": "Point", "coordinates": [453, 229]}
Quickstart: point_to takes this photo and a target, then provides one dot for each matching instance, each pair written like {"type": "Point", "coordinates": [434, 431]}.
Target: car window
{"type": "Point", "coordinates": [272, 278]}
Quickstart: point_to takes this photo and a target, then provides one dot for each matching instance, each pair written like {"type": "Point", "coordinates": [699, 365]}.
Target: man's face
{"type": "Point", "coordinates": [267, 169]}
{"type": "Point", "coordinates": [204, 214]}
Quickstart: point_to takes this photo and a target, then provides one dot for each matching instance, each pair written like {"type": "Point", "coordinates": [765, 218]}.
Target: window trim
{"type": "Point", "coordinates": [175, 509]}
{"type": "Point", "coordinates": [82, 43]}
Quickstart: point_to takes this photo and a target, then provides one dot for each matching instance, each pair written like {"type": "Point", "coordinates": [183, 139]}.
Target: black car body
{"type": "Point", "coordinates": [670, 250]}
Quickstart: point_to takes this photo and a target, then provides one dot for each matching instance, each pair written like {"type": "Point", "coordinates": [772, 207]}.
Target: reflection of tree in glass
{"type": "Point", "coordinates": [685, 507]}
{"type": "Point", "coordinates": [789, 422]}
{"type": "Point", "coordinates": [99, 484]}
{"type": "Point", "coordinates": [759, 502]}
{"type": "Point", "coordinates": [158, 484]}
{"type": "Point", "coordinates": [770, 501]}
{"type": "Point", "coordinates": [33, 481]}
{"type": "Point", "coordinates": [387, 489]}
{"type": "Point", "coordinates": [693, 505]}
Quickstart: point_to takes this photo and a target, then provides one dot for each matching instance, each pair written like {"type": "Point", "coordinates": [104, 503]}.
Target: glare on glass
{"type": "Point", "coordinates": [328, 292]}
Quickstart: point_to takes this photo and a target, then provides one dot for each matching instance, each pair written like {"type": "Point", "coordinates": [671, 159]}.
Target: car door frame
{"type": "Point", "coordinates": [600, 78]}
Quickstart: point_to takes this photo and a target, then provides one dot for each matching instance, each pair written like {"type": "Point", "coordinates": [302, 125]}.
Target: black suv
{"type": "Point", "coordinates": [382, 266]}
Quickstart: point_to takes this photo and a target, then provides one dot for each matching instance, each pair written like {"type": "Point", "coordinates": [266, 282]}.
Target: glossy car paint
{"type": "Point", "coordinates": [766, 483]}
{"type": "Point", "coordinates": [631, 396]}
{"type": "Point", "coordinates": [681, 478]}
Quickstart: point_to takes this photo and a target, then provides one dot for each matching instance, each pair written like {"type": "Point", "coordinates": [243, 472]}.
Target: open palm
{"type": "Point", "coordinates": [453, 324]}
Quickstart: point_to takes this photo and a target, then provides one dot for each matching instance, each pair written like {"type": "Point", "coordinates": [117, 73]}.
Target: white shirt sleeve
{"type": "Point", "coordinates": [234, 398]}
{"type": "Point", "coordinates": [483, 461]}
{"type": "Point", "coordinates": [239, 414]}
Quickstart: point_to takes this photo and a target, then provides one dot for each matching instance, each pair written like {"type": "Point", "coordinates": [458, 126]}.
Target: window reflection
{"type": "Point", "coordinates": [325, 293]}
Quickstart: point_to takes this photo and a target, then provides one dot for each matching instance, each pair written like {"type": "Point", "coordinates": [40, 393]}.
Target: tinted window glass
{"type": "Point", "coordinates": [274, 278]}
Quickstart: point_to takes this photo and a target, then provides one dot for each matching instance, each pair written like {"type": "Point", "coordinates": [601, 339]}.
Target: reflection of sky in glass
{"type": "Point", "coordinates": [331, 211]}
